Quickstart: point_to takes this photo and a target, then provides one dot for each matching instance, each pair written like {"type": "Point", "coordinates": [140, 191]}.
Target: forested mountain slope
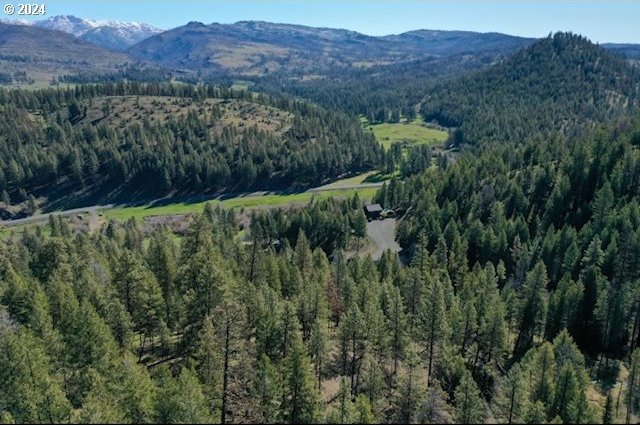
{"type": "Point", "coordinates": [152, 140]}
{"type": "Point", "coordinates": [570, 205]}
{"type": "Point", "coordinates": [560, 84]}
{"type": "Point", "coordinates": [41, 54]}
{"type": "Point", "coordinates": [260, 48]}
{"type": "Point", "coordinates": [453, 43]}
{"type": "Point", "coordinates": [520, 303]}
{"type": "Point", "coordinates": [516, 298]}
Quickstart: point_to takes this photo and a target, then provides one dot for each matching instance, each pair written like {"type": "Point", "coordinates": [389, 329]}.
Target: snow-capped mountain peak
{"type": "Point", "coordinates": [116, 35]}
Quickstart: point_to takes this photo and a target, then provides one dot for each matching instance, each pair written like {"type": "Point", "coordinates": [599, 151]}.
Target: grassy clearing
{"type": "Point", "coordinates": [413, 133]}
{"type": "Point", "coordinates": [337, 189]}
{"type": "Point", "coordinates": [246, 202]}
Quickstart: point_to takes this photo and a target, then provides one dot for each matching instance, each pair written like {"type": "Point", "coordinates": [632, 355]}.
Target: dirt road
{"type": "Point", "coordinates": [383, 234]}
{"type": "Point", "coordinates": [40, 218]}
{"type": "Point", "coordinates": [44, 217]}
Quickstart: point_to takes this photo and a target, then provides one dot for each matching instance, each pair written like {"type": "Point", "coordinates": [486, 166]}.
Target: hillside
{"type": "Point", "coordinates": [257, 48]}
{"type": "Point", "coordinates": [559, 84]}
{"type": "Point", "coordinates": [113, 35]}
{"type": "Point", "coordinates": [42, 53]}
{"type": "Point", "coordinates": [132, 141]}
{"type": "Point", "coordinates": [452, 43]}
{"type": "Point", "coordinates": [280, 224]}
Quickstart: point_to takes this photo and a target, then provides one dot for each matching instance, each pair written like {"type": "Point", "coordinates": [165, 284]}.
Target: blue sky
{"type": "Point", "coordinates": [601, 21]}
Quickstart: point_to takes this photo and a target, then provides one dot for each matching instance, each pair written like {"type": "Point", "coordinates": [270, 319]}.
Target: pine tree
{"type": "Point", "coordinates": [318, 349]}
{"type": "Point", "coordinates": [536, 413]}
{"type": "Point", "coordinates": [303, 256]}
{"type": "Point", "coordinates": [268, 390]}
{"type": "Point", "coordinates": [210, 365]}
{"type": "Point", "coordinates": [493, 332]}
{"type": "Point", "coordinates": [141, 296]}
{"type": "Point", "coordinates": [101, 405]}
{"type": "Point", "coordinates": [397, 325]}
{"type": "Point", "coordinates": [135, 391]}
{"type": "Point", "coordinates": [432, 320]}
{"type": "Point", "coordinates": [567, 391]}
{"type": "Point", "coordinates": [29, 391]}
{"type": "Point", "coordinates": [300, 401]}
{"type": "Point", "coordinates": [161, 257]}
{"type": "Point", "coordinates": [533, 309]}
{"type": "Point", "coordinates": [181, 399]}
{"type": "Point", "coordinates": [544, 374]}
{"type": "Point", "coordinates": [373, 380]}
{"type": "Point", "coordinates": [513, 396]}
{"type": "Point", "coordinates": [406, 402]}
{"type": "Point", "coordinates": [468, 401]}
{"type": "Point", "coordinates": [363, 411]}
{"type": "Point", "coordinates": [352, 339]}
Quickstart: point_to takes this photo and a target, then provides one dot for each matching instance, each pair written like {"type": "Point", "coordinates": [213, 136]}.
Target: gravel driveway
{"type": "Point", "coordinates": [383, 234]}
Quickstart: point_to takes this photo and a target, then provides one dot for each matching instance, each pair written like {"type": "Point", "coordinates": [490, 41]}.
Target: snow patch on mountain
{"type": "Point", "coordinates": [116, 35]}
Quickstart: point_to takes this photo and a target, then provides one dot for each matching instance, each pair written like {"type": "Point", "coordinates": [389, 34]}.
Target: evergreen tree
{"type": "Point", "coordinates": [468, 402]}
{"type": "Point", "coordinates": [181, 399]}
{"type": "Point", "coordinates": [432, 320]}
{"type": "Point", "coordinates": [299, 404]}
{"type": "Point", "coordinates": [513, 396]}
{"type": "Point", "coordinates": [533, 307]}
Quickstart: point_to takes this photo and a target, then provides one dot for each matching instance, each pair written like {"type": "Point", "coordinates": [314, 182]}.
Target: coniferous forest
{"type": "Point", "coordinates": [515, 296]}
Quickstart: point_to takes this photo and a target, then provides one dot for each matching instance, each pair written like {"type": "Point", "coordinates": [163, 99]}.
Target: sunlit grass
{"type": "Point", "coordinates": [246, 202]}
{"type": "Point", "coordinates": [413, 133]}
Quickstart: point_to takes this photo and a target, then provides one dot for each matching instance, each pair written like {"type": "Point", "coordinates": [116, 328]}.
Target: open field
{"type": "Point", "coordinates": [248, 201]}
{"type": "Point", "coordinates": [413, 133]}
{"type": "Point", "coordinates": [361, 183]}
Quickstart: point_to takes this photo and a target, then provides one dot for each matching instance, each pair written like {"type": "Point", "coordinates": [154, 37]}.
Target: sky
{"type": "Point", "coordinates": [601, 21]}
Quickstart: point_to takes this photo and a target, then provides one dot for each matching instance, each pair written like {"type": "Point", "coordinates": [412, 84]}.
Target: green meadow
{"type": "Point", "coordinates": [249, 201]}
{"type": "Point", "coordinates": [413, 133]}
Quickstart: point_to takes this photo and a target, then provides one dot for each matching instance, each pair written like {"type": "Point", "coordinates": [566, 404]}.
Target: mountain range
{"type": "Point", "coordinates": [43, 54]}
{"type": "Point", "coordinates": [249, 48]}
{"type": "Point", "coordinates": [115, 35]}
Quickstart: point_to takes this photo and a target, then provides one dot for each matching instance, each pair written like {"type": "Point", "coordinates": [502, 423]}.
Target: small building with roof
{"type": "Point", "coordinates": [373, 211]}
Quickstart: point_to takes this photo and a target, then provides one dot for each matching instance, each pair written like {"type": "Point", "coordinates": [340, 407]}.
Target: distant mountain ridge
{"type": "Point", "coordinates": [115, 35]}
{"type": "Point", "coordinates": [25, 43]}
{"type": "Point", "coordinates": [449, 43]}
{"type": "Point", "coordinates": [34, 54]}
{"type": "Point", "coordinates": [256, 47]}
